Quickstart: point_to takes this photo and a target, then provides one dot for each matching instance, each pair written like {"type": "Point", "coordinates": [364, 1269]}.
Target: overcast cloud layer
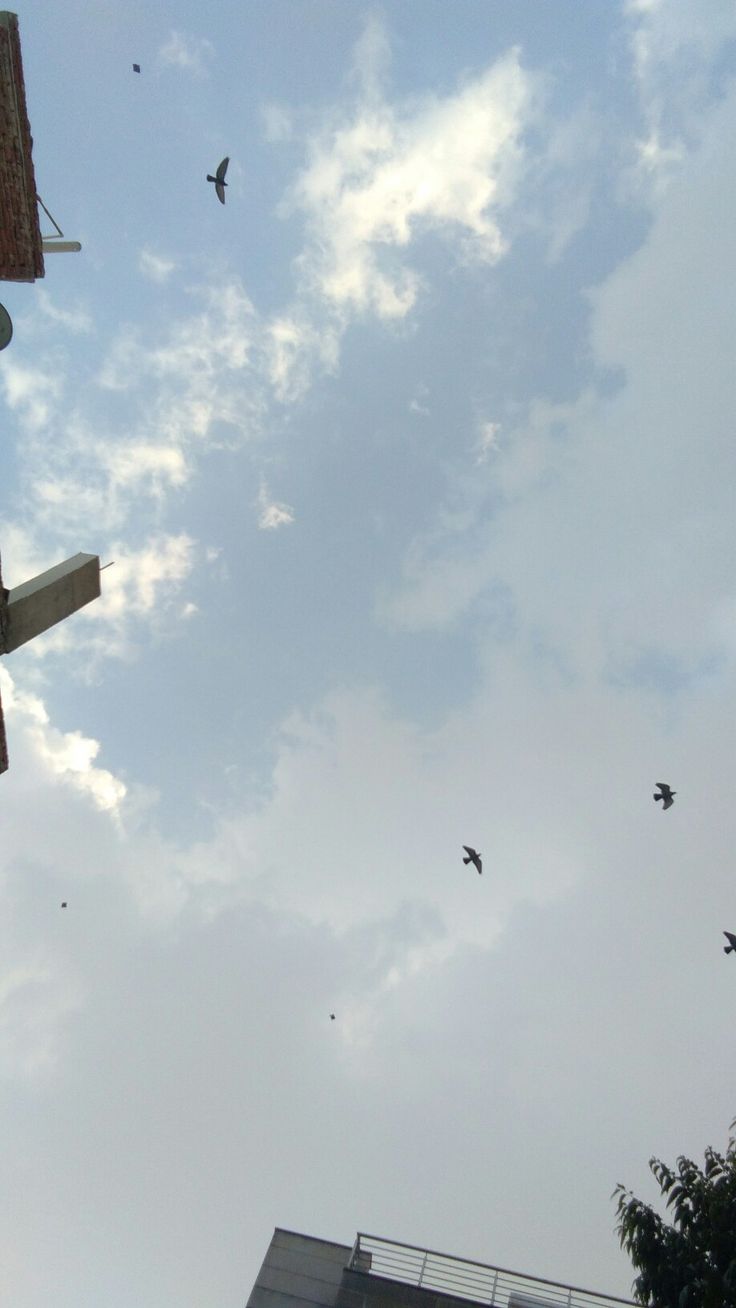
{"type": "Point", "coordinates": [416, 464]}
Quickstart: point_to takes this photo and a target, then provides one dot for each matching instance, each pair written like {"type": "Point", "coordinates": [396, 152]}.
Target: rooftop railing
{"type": "Point", "coordinates": [496, 1286]}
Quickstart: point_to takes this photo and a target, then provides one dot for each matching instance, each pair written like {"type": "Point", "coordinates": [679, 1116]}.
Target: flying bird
{"type": "Point", "coordinates": [730, 948]}
{"type": "Point", "coordinates": [136, 68]}
{"type": "Point", "coordinates": [332, 1017]}
{"type": "Point", "coordinates": [473, 857]}
{"type": "Point", "coordinates": [219, 179]}
{"type": "Point", "coordinates": [63, 904]}
{"type": "Point", "coordinates": [666, 795]}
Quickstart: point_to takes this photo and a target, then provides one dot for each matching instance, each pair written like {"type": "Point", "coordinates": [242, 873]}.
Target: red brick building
{"type": "Point", "coordinates": [21, 255]}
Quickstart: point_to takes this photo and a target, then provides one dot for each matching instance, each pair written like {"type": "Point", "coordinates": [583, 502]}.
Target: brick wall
{"type": "Point", "coordinates": [21, 257]}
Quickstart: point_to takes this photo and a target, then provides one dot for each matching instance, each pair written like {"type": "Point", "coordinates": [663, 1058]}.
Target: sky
{"type": "Point", "coordinates": [415, 463]}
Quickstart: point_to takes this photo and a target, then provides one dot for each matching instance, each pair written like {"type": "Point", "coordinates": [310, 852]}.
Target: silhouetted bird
{"type": "Point", "coordinates": [63, 904]}
{"type": "Point", "coordinates": [332, 1017]}
{"type": "Point", "coordinates": [136, 68]}
{"type": "Point", "coordinates": [667, 795]}
{"type": "Point", "coordinates": [730, 948]}
{"type": "Point", "coordinates": [219, 180]}
{"type": "Point", "coordinates": [473, 857]}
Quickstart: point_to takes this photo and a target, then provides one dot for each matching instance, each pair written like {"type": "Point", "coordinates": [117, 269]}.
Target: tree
{"type": "Point", "coordinates": [692, 1262]}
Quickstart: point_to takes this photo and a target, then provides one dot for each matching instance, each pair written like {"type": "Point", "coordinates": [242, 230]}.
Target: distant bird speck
{"type": "Point", "coordinates": [136, 68]}
{"type": "Point", "coordinates": [473, 857]}
{"type": "Point", "coordinates": [219, 179]}
{"type": "Point", "coordinates": [730, 948]}
{"type": "Point", "coordinates": [332, 1017]}
{"type": "Point", "coordinates": [63, 905]}
{"type": "Point", "coordinates": [667, 795]}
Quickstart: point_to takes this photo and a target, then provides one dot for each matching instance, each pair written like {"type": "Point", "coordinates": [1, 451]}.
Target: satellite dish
{"type": "Point", "coordinates": [6, 327]}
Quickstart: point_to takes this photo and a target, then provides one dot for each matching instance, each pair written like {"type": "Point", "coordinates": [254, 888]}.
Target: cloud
{"type": "Point", "coordinates": [277, 122]}
{"type": "Point", "coordinates": [35, 1000]}
{"type": "Point", "coordinates": [372, 186]}
{"type": "Point", "coordinates": [657, 159]}
{"type": "Point", "coordinates": [272, 514]}
{"type": "Point", "coordinates": [142, 585]}
{"type": "Point", "coordinates": [155, 266]}
{"type": "Point", "coordinates": [67, 755]}
{"type": "Point", "coordinates": [137, 427]}
{"type": "Point", "coordinates": [416, 405]}
{"type": "Point", "coordinates": [354, 790]}
{"type": "Point", "coordinates": [75, 320]}
{"type": "Point", "coordinates": [31, 391]}
{"type": "Point", "coordinates": [192, 54]}
{"type": "Point", "coordinates": [162, 396]}
{"type": "Point", "coordinates": [673, 47]}
{"type": "Point", "coordinates": [487, 440]}
{"type": "Point", "coordinates": [293, 348]}
{"type": "Point", "coordinates": [604, 527]}
{"type": "Point", "coordinates": [130, 434]}
{"type": "Point", "coordinates": [371, 59]}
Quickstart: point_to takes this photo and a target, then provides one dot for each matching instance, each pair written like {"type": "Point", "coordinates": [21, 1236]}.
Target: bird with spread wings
{"type": "Point", "coordinates": [473, 857]}
{"type": "Point", "coordinates": [219, 179]}
{"type": "Point", "coordinates": [667, 795]}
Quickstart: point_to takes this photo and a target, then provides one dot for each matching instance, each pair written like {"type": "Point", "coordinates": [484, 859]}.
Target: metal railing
{"type": "Point", "coordinates": [496, 1286]}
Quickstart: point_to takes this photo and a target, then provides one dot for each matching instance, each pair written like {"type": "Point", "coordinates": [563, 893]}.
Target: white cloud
{"type": "Point", "coordinates": [35, 998]}
{"type": "Point", "coordinates": [75, 320]}
{"type": "Point", "coordinates": [197, 388]}
{"type": "Point", "coordinates": [22, 558]}
{"type": "Point", "coordinates": [164, 562]}
{"type": "Point", "coordinates": [193, 54]}
{"type": "Point", "coordinates": [487, 442]}
{"type": "Point", "coordinates": [67, 755]}
{"type": "Point", "coordinates": [335, 770]}
{"type": "Point", "coordinates": [97, 453]}
{"type": "Point", "coordinates": [673, 47]}
{"type": "Point", "coordinates": [31, 391]}
{"type": "Point", "coordinates": [416, 404]}
{"type": "Point", "coordinates": [373, 185]}
{"type": "Point", "coordinates": [293, 346]}
{"type": "Point", "coordinates": [133, 465]}
{"type": "Point", "coordinates": [371, 59]}
{"type": "Point", "coordinates": [155, 266]}
{"type": "Point", "coordinates": [141, 584]}
{"type": "Point", "coordinates": [272, 514]}
{"type": "Point", "coordinates": [656, 159]}
{"type": "Point", "coordinates": [606, 529]}
{"type": "Point", "coordinates": [277, 124]}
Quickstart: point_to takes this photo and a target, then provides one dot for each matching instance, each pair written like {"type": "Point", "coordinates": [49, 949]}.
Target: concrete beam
{"type": "Point", "coordinates": [45, 600]}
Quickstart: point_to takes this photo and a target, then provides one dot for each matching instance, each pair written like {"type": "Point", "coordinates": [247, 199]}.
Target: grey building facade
{"type": "Point", "coordinates": [300, 1271]}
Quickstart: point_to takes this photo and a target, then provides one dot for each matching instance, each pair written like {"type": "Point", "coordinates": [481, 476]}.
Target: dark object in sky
{"type": "Point", "coordinates": [63, 905]}
{"type": "Point", "coordinates": [667, 795]}
{"type": "Point", "coordinates": [219, 179]}
{"type": "Point", "coordinates": [136, 68]}
{"type": "Point", "coordinates": [730, 948]}
{"type": "Point", "coordinates": [473, 857]}
{"type": "Point", "coordinates": [332, 1017]}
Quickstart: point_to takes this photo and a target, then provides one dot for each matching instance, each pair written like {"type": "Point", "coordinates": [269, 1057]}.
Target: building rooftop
{"type": "Point", "coordinates": [462, 1278]}
{"type": "Point", "coordinates": [301, 1271]}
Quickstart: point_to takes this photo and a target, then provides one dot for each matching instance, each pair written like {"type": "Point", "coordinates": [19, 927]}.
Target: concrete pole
{"type": "Point", "coordinates": [52, 246]}
{"type": "Point", "coordinates": [29, 609]}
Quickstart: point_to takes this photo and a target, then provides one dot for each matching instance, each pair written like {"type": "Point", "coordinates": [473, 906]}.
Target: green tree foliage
{"type": "Point", "coordinates": [690, 1263]}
